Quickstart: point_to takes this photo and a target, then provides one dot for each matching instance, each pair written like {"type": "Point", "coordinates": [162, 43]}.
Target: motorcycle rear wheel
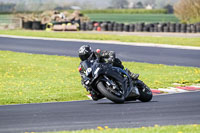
{"type": "Point", "coordinates": [145, 93]}
{"type": "Point", "coordinates": [102, 88]}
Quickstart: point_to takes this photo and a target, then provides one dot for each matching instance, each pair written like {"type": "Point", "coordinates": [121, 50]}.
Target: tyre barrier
{"type": "Point", "coordinates": [140, 27]}
{"type": "Point", "coordinates": [27, 25]}
{"type": "Point", "coordinates": [120, 27]}
{"type": "Point", "coordinates": [33, 25]}
{"type": "Point", "coordinates": [37, 25]}
{"type": "Point", "coordinates": [49, 26]}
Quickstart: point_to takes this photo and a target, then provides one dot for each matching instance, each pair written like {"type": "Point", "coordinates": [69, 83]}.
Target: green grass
{"type": "Point", "coordinates": [32, 78]}
{"type": "Point", "coordinates": [156, 129]}
{"type": "Point", "coordinates": [121, 38]}
{"type": "Point", "coordinates": [5, 18]}
{"type": "Point", "coordinates": [133, 18]}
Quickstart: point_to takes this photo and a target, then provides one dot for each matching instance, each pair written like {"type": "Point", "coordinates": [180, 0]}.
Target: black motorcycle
{"type": "Point", "coordinates": [113, 82]}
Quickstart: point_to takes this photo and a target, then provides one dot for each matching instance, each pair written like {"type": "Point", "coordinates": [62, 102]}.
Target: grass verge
{"type": "Point", "coordinates": [156, 129]}
{"type": "Point", "coordinates": [34, 78]}
{"type": "Point", "coordinates": [121, 38]}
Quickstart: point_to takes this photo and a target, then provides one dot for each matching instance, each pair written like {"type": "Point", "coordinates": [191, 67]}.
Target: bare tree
{"type": "Point", "coordinates": [139, 5]}
{"type": "Point", "coordinates": [169, 8]}
{"type": "Point", "coordinates": [188, 11]}
{"type": "Point", "coordinates": [7, 7]}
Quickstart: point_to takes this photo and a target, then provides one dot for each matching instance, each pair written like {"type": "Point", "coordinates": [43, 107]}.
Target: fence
{"type": "Point", "coordinates": [10, 23]}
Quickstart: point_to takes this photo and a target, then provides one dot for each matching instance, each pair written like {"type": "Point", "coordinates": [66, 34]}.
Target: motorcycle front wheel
{"type": "Point", "coordinates": [108, 94]}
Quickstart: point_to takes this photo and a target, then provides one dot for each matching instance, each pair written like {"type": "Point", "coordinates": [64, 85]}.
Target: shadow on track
{"type": "Point", "coordinates": [127, 102]}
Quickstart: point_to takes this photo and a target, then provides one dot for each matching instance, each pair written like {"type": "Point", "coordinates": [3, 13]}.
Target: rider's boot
{"type": "Point", "coordinates": [132, 75]}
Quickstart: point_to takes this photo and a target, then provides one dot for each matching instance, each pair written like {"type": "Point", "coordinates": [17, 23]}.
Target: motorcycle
{"type": "Point", "coordinates": [114, 83]}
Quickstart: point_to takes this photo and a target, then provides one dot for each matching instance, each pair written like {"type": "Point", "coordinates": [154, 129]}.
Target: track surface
{"type": "Point", "coordinates": [155, 55]}
{"type": "Point", "coordinates": [163, 110]}
{"type": "Point", "coordinates": [171, 109]}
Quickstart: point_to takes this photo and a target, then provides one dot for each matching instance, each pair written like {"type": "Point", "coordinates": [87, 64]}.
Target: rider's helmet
{"type": "Point", "coordinates": [84, 52]}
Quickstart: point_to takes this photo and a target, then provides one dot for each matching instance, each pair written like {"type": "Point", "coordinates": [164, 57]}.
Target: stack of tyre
{"type": "Point", "coordinates": [140, 27]}
{"type": "Point", "coordinates": [33, 25]}
{"type": "Point", "coordinates": [37, 25]}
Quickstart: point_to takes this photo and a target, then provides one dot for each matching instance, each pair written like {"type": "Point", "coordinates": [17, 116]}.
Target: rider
{"type": "Point", "coordinates": [86, 53]}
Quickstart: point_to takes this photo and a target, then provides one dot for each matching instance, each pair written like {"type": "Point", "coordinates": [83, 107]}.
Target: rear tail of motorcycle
{"type": "Point", "coordinates": [145, 92]}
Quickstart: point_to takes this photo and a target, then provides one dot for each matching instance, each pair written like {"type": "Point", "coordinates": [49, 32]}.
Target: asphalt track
{"type": "Point", "coordinates": [154, 55]}
{"type": "Point", "coordinates": [174, 109]}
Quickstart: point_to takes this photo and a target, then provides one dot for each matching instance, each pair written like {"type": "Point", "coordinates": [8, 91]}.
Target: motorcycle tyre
{"type": "Point", "coordinates": [109, 95]}
{"type": "Point", "coordinates": [144, 97]}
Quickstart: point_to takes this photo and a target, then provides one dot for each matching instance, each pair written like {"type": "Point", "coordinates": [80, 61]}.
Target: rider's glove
{"type": "Point", "coordinates": [111, 60]}
{"type": "Point", "coordinates": [86, 82]}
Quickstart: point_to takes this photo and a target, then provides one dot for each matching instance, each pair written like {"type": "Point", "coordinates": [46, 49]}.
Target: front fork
{"type": "Point", "coordinates": [110, 83]}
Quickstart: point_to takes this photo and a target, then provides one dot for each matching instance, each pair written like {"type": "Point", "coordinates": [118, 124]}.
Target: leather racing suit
{"type": "Point", "coordinates": [104, 56]}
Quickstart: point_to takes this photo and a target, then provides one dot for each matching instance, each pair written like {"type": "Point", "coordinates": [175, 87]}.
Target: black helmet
{"type": "Point", "coordinates": [84, 52]}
